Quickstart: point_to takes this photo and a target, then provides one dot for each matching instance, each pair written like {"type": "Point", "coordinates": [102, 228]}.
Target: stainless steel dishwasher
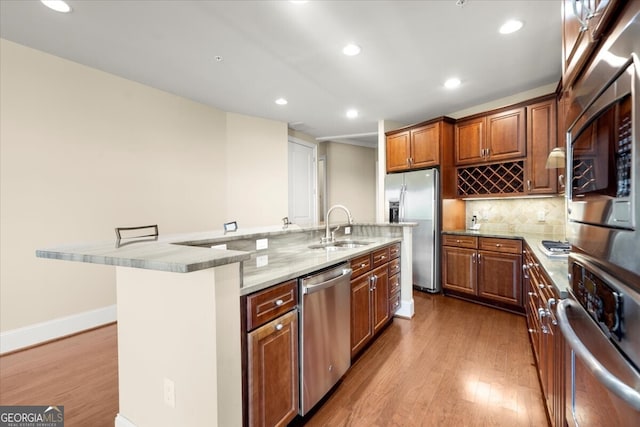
{"type": "Point", "coordinates": [325, 332]}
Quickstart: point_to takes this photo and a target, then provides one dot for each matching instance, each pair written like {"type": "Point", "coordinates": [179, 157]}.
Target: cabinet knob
{"type": "Point", "coordinates": [279, 302]}
{"type": "Point", "coordinates": [498, 245]}
{"type": "Point", "coordinates": [279, 327]}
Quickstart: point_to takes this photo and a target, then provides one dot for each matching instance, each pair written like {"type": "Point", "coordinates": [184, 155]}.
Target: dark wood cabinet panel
{"type": "Point", "coordinates": [419, 146]}
{"type": "Point", "coordinates": [380, 297]}
{"type": "Point", "coordinates": [484, 269]}
{"type": "Point", "coordinates": [361, 313]}
{"type": "Point", "coordinates": [499, 277]}
{"type": "Point", "coordinates": [541, 139]}
{"type": "Point", "coordinates": [398, 151]}
{"type": "Point", "coordinates": [506, 135]}
{"type": "Point", "coordinates": [583, 25]}
{"type": "Point", "coordinates": [375, 295]}
{"type": "Point", "coordinates": [425, 146]}
{"type": "Point", "coordinates": [273, 371]}
{"type": "Point", "coordinates": [469, 141]}
{"type": "Point", "coordinates": [459, 269]}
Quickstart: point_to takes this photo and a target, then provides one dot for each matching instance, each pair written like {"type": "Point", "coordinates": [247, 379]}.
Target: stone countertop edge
{"type": "Point", "coordinates": [557, 268]}
{"type": "Point", "coordinates": [172, 253]}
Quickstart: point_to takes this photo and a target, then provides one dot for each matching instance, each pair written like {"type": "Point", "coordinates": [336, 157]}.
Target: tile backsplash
{"type": "Point", "coordinates": [536, 216]}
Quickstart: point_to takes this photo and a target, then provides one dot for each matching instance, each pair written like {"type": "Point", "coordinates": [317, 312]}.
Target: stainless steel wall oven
{"type": "Point", "coordinates": [602, 153]}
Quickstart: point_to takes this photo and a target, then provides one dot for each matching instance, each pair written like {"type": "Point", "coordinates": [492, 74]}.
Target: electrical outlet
{"type": "Point", "coordinates": [262, 260]}
{"type": "Point", "coordinates": [262, 244]}
{"type": "Point", "coordinates": [169, 393]}
{"type": "Point", "coordinates": [541, 216]}
{"type": "Point", "coordinates": [347, 230]}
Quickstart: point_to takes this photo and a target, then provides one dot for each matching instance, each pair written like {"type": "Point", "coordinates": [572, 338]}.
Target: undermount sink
{"type": "Point", "coordinates": [340, 244]}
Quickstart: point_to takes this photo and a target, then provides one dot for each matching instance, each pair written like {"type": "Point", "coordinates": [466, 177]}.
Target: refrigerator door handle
{"type": "Point", "coordinates": [403, 190]}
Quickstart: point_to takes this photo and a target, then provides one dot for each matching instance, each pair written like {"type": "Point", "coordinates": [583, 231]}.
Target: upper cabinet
{"type": "Point", "coordinates": [491, 138]}
{"type": "Point", "coordinates": [583, 24]}
{"type": "Point", "coordinates": [541, 139]}
{"type": "Point", "coordinates": [417, 147]}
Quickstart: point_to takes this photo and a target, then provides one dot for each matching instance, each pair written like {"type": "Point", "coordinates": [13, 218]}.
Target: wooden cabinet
{"type": "Point", "coordinates": [394, 278]}
{"type": "Point", "coordinates": [541, 139]}
{"type": "Point", "coordinates": [546, 339]}
{"type": "Point", "coordinates": [374, 277]}
{"type": "Point", "coordinates": [417, 147]}
{"type": "Point", "coordinates": [272, 355]}
{"type": "Point", "coordinates": [495, 137]}
{"type": "Point", "coordinates": [483, 269]}
{"type": "Point", "coordinates": [583, 25]}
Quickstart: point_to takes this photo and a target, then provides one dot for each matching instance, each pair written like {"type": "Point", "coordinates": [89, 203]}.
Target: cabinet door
{"type": "Point", "coordinates": [541, 139]}
{"type": "Point", "coordinates": [398, 151]}
{"type": "Point", "coordinates": [361, 312]}
{"type": "Point", "coordinates": [506, 135]}
{"type": "Point", "coordinates": [499, 277]}
{"type": "Point", "coordinates": [425, 146]}
{"type": "Point", "coordinates": [273, 371]}
{"type": "Point", "coordinates": [459, 269]}
{"type": "Point", "coordinates": [380, 297]}
{"type": "Point", "coordinates": [469, 141]}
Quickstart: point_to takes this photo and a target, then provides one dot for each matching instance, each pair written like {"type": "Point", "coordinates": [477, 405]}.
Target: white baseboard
{"type": "Point", "coordinates": [121, 421]}
{"type": "Point", "coordinates": [56, 328]}
{"type": "Point", "coordinates": [406, 310]}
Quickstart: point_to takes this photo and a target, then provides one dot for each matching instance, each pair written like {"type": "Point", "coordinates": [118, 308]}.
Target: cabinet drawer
{"type": "Point", "coordinates": [360, 265]}
{"type": "Point", "coordinates": [380, 257]}
{"type": "Point", "coordinates": [460, 241]}
{"type": "Point", "coordinates": [394, 266]}
{"type": "Point", "coordinates": [394, 284]}
{"type": "Point", "coordinates": [511, 246]}
{"type": "Point", "coordinates": [394, 250]}
{"type": "Point", "coordinates": [266, 305]}
{"type": "Point", "coordinates": [394, 303]}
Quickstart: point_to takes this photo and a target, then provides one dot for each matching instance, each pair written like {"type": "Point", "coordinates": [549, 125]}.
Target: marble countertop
{"type": "Point", "coordinates": [556, 267]}
{"type": "Point", "coordinates": [187, 252]}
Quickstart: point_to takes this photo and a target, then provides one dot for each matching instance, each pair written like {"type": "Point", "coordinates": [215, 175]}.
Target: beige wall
{"type": "Point", "coordinates": [83, 151]}
{"type": "Point", "coordinates": [351, 180]}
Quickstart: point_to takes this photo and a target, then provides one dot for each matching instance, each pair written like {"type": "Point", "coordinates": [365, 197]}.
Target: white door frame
{"type": "Point", "coordinates": [314, 177]}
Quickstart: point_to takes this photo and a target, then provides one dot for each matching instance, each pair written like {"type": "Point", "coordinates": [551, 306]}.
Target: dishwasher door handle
{"type": "Point", "coordinates": [324, 285]}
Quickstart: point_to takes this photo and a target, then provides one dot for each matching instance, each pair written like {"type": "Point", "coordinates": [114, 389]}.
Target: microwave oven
{"type": "Point", "coordinates": [603, 158]}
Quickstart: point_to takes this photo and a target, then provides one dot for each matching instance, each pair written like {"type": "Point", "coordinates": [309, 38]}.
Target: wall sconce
{"type": "Point", "coordinates": [557, 160]}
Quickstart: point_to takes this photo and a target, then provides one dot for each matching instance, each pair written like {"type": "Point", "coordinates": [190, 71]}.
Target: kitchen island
{"type": "Point", "coordinates": [178, 311]}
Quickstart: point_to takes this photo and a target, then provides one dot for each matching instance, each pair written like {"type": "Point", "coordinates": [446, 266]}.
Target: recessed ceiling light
{"type": "Point", "coordinates": [57, 5]}
{"type": "Point", "coordinates": [352, 114]}
{"type": "Point", "coordinates": [511, 26]}
{"type": "Point", "coordinates": [452, 83]}
{"type": "Point", "coordinates": [351, 49]}
{"type": "Point", "coordinates": [281, 101]}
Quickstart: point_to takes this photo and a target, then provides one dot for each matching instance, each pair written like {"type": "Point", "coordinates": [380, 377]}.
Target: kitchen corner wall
{"type": "Point", "coordinates": [83, 151]}
{"type": "Point", "coordinates": [536, 215]}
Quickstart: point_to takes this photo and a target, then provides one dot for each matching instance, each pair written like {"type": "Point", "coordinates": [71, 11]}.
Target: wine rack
{"type": "Point", "coordinates": [492, 179]}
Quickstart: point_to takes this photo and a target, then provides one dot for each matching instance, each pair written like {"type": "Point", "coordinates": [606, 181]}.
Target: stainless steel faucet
{"type": "Point", "coordinates": [329, 236]}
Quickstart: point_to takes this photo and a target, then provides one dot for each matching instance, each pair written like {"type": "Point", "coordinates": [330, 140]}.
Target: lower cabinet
{"type": "Point", "coordinates": [272, 386]}
{"type": "Point", "coordinates": [484, 269]}
{"type": "Point", "coordinates": [546, 339]}
{"type": "Point", "coordinates": [371, 297]}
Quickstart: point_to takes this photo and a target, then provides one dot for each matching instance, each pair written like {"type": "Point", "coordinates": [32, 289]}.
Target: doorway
{"type": "Point", "coordinates": [303, 205]}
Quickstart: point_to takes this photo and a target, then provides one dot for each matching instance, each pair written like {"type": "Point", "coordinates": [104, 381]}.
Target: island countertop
{"type": "Point", "coordinates": [188, 252]}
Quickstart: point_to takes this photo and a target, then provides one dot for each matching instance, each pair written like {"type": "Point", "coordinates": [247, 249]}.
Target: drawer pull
{"type": "Point", "coordinates": [498, 245]}
{"type": "Point", "coordinates": [363, 265]}
{"type": "Point", "coordinates": [279, 327]}
{"type": "Point", "coordinates": [279, 302]}
{"type": "Point", "coordinates": [457, 241]}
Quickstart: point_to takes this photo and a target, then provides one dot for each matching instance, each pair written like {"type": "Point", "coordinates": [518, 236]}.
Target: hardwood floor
{"type": "Point", "coordinates": [454, 364]}
{"type": "Point", "coordinates": [79, 372]}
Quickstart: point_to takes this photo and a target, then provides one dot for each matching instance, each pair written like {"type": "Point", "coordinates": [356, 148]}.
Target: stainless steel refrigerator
{"type": "Point", "coordinates": [414, 197]}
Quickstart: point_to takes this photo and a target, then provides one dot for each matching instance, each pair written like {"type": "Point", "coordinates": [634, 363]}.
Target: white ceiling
{"type": "Point", "coordinates": [273, 49]}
